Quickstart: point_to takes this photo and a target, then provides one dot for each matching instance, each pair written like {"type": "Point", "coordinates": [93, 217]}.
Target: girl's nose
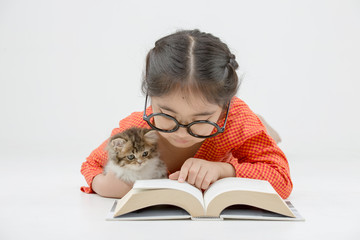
{"type": "Point", "coordinates": [181, 132]}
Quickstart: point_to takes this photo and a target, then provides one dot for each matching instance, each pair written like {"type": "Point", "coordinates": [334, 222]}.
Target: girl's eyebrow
{"type": "Point", "coordinates": [194, 115]}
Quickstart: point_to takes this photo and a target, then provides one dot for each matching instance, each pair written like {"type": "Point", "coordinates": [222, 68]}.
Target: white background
{"type": "Point", "coordinates": [70, 70]}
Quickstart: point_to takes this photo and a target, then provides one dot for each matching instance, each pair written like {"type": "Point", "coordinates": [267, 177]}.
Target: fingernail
{"type": "Point", "coordinates": [181, 180]}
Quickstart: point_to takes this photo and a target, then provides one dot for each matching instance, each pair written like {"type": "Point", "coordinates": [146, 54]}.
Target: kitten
{"type": "Point", "coordinates": [133, 155]}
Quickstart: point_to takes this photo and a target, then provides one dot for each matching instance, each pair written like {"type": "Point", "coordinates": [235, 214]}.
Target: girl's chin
{"type": "Point", "coordinates": [182, 143]}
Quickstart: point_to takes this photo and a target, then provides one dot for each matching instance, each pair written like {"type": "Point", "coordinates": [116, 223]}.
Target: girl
{"type": "Point", "coordinates": [205, 132]}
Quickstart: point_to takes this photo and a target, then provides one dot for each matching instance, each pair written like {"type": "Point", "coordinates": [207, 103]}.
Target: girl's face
{"type": "Point", "coordinates": [185, 109]}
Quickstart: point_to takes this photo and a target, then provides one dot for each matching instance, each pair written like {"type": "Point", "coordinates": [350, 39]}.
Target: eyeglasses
{"type": "Point", "coordinates": [168, 124]}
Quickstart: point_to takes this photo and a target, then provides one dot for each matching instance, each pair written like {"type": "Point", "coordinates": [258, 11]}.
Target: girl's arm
{"type": "Point", "coordinates": [94, 165]}
{"type": "Point", "coordinates": [110, 186]}
{"type": "Point", "coordinates": [92, 168]}
{"type": "Point", "coordinates": [260, 158]}
{"type": "Point", "coordinates": [105, 185]}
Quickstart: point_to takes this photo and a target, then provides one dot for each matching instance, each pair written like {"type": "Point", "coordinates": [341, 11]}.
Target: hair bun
{"type": "Point", "coordinates": [233, 62]}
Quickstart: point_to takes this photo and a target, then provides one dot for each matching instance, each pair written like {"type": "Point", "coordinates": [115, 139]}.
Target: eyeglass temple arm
{"type": "Point", "coordinates": [144, 114]}
{"type": "Point", "coordinates": [227, 113]}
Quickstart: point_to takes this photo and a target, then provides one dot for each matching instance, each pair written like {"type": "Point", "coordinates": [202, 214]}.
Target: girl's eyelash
{"type": "Point", "coordinates": [204, 119]}
{"type": "Point", "coordinates": [168, 114]}
{"type": "Point", "coordinates": [165, 113]}
{"type": "Point", "coordinates": [193, 120]}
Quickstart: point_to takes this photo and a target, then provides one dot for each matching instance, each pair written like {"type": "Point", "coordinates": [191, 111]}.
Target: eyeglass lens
{"type": "Point", "coordinates": [165, 123]}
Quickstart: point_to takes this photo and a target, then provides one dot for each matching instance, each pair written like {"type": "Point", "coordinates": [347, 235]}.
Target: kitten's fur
{"type": "Point", "coordinates": [132, 155]}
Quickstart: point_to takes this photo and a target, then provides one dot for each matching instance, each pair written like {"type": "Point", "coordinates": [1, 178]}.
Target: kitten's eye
{"type": "Point", "coordinates": [131, 157]}
{"type": "Point", "coordinates": [145, 154]}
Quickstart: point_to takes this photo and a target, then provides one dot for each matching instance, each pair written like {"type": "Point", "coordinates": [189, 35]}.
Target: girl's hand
{"type": "Point", "coordinates": [202, 173]}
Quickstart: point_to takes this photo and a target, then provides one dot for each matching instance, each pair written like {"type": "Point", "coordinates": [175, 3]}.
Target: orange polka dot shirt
{"type": "Point", "coordinates": [244, 144]}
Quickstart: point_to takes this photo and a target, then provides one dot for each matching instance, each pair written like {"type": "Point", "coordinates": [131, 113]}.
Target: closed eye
{"type": "Point", "coordinates": [204, 116]}
{"type": "Point", "coordinates": [206, 113]}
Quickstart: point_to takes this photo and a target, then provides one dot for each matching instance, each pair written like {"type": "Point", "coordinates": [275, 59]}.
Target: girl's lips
{"type": "Point", "coordinates": [179, 140]}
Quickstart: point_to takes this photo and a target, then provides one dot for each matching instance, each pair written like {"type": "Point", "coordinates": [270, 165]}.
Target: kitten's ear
{"type": "Point", "coordinates": [151, 137]}
{"type": "Point", "coordinates": [118, 143]}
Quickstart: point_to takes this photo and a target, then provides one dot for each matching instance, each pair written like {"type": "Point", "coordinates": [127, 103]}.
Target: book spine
{"type": "Point", "coordinates": [206, 218]}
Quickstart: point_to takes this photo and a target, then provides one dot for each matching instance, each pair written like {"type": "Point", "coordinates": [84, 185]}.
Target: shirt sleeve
{"type": "Point", "coordinates": [259, 157]}
{"type": "Point", "coordinates": [96, 161]}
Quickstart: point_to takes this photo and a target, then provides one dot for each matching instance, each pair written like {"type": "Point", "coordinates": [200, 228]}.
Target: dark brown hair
{"type": "Point", "coordinates": [191, 61]}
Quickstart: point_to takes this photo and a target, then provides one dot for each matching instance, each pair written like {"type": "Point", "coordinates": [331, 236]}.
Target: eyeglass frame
{"type": "Point", "coordinates": [187, 126]}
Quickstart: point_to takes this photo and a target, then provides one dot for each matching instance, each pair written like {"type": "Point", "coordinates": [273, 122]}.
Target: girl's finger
{"type": "Point", "coordinates": [193, 173]}
{"type": "Point", "coordinates": [175, 175]}
{"type": "Point", "coordinates": [206, 181]}
{"type": "Point", "coordinates": [200, 177]}
{"type": "Point", "coordinates": [184, 171]}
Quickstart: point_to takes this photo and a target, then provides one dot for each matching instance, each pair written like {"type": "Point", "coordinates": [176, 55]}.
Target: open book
{"type": "Point", "coordinates": [227, 198]}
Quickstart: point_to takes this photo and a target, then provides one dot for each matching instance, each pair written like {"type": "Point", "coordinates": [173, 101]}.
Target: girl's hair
{"type": "Point", "coordinates": [191, 61]}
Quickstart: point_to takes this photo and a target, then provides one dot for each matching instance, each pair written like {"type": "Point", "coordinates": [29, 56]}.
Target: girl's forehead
{"type": "Point", "coordinates": [184, 102]}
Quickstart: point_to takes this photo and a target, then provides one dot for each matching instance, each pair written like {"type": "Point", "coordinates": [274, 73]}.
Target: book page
{"type": "Point", "coordinates": [158, 212]}
{"type": "Point", "coordinates": [168, 183]}
{"type": "Point", "coordinates": [253, 213]}
{"type": "Point", "coordinates": [235, 183]}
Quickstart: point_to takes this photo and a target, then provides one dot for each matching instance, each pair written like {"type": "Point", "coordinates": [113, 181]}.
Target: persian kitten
{"type": "Point", "coordinates": [133, 155]}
